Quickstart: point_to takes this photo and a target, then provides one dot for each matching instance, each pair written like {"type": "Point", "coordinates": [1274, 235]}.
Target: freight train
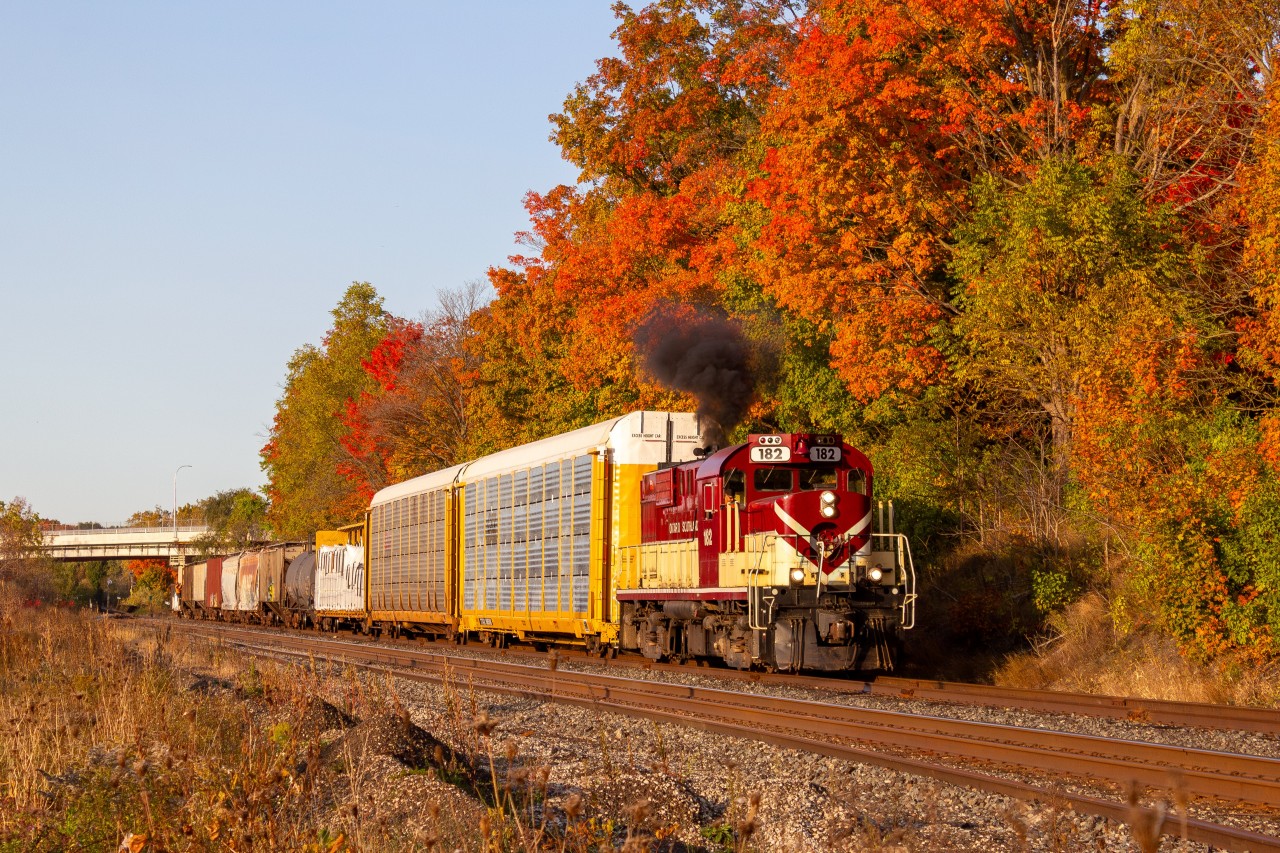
{"type": "Point", "coordinates": [629, 534]}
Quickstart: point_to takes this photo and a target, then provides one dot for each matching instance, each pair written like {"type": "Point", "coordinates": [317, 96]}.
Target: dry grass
{"type": "Point", "coordinates": [112, 735]}
{"type": "Point", "coordinates": [1087, 654]}
{"type": "Point", "coordinates": [108, 736]}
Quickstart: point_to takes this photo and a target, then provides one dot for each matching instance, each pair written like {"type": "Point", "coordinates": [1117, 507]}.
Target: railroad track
{"type": "Point", "coordinates": [928, 746]}
{"type": "Point", "coordinates": [1147, 711]}
{"type": "Point", "coordinates": [1134, 709]}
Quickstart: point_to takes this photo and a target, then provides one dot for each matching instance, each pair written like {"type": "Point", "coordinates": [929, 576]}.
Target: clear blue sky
{"type": "Point", "coordinates": [187, 190]}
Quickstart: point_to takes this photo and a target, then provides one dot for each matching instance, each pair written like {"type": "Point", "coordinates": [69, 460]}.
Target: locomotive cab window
{"type": "Point", "coordinates": [772, 479]}
{"type": "Point", "coordinates": [735, 486]}
{"type": "Point", "coordinates": [820, 477]}
{"type": "Point", "coordinates": [857, 481]}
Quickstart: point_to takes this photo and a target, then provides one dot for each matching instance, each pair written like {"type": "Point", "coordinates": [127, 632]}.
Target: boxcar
{"type": "Point", "coordinates": [247, 582]}
{"type": "Point", "coordinates": [199, 575]}
{"type": "Point", "coordinates": [188, 597]}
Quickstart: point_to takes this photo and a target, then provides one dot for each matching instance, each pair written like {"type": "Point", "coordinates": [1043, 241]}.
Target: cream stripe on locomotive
{"type": "Point", "coordinates": [805, 532]}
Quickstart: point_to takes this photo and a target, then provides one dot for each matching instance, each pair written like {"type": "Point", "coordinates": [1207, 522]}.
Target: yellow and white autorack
{"type": "Point", "coordinates": [520, 543]}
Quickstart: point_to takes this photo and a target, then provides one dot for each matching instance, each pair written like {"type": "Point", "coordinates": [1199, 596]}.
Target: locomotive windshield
{"type": "Point", "coordinates": [772, 479]}
{"type": "Point", "coordinates": [819, 477]}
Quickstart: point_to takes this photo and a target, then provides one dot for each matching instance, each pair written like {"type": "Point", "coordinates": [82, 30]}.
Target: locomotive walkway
{"type": "Point", "coordinates": [122, 543]}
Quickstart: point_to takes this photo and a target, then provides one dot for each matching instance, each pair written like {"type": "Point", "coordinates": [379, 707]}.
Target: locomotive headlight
{"type": "Point", "coordinates": [875, 573]}
{"type": "Point", "coordinates": [828, 498]}
{"type": "Point", "coordinates": [828, 511]}
{"type": "Point", "coordinates": [797, 575]}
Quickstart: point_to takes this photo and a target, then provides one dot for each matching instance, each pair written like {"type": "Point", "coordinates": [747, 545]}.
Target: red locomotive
{"type": "Point", "coordinates": [763, 554]}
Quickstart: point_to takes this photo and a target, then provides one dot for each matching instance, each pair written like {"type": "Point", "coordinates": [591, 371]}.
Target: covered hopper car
{"type": "Point", "coordinates": [249, 586]}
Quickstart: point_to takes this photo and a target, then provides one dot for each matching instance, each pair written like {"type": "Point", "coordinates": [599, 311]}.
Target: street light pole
{"type": "Point", "coordinates": [175, 501]}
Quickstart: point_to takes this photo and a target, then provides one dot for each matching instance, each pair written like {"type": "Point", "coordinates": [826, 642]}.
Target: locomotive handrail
{"type": "Point", "coordinates": [901, 547]}
{"type": "Point", "coordinates": [634, 556]}
{"type": "Point", "coordinates": [753, 587]}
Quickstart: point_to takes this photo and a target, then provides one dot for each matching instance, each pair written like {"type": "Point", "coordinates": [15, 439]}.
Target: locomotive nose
{"type": "Point", "coordinates": [827, 515]}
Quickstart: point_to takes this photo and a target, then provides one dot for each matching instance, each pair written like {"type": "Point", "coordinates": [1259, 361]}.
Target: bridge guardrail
{"type": "Point", "coordinates": [121, 531]}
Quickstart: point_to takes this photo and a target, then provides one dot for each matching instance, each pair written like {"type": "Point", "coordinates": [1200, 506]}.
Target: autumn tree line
{"type": "Point", "coordinates": [1022, 253]}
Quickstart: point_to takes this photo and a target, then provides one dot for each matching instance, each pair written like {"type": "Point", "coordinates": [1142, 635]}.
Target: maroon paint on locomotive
{"type": "Point", "coordinates": [721, 499]}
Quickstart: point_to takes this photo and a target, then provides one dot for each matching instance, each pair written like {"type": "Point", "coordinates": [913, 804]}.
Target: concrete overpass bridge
{"type": "Point", "coordinates": [122, 543]}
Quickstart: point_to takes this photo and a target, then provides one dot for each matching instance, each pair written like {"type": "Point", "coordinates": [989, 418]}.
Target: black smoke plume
{"type": "Point", "coordinates": [703, 355]}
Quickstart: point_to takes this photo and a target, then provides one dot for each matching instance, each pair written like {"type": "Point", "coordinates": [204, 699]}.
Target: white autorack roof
{"type": "Point", "coordinates": [637, 438]}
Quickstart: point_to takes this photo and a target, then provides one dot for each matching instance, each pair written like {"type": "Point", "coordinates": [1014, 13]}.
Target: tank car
{"type": "Point", "coordinates": [764, 555]}
{"type": "Point", "coordinates": [298, 603]}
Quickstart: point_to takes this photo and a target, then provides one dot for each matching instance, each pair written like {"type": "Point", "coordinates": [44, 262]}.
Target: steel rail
{"type": "Point", "coordinates": [1158, 711]}
{"type": "Point", "coordinates": [785, 717]}
{"type": "Point", "coordinates": [1245, 778]}
{"type": "Point", "coordinates": [1134, 709]}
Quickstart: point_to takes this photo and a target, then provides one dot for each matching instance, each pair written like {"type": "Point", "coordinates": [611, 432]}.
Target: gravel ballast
{"type": "Point", "coordinates": [681, 788]}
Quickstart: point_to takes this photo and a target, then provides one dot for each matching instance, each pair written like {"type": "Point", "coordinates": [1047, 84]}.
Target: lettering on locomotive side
{"type": "Point", "coordinates": [675, 527]}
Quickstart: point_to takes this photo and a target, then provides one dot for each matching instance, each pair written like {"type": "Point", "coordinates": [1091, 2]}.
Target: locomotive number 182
{"type": "Point", "coordinates": [771, 454]}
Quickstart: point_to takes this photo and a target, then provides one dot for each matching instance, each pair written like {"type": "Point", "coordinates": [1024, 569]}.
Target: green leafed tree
{"type": "Point", "coordinates": [304, 453]}
{"type": "Point", "coordinates": [1056, 276]}
{"type": "Point", "coordinates": [236, 518]}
